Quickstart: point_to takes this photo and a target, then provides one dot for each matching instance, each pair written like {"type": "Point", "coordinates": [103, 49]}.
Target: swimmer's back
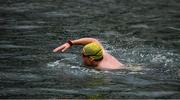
{"type": "Point", "coordinates": [109, 63]}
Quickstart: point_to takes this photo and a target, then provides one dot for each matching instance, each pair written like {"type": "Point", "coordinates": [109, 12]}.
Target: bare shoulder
{"type": "Point", "coordinates": [109, 62]}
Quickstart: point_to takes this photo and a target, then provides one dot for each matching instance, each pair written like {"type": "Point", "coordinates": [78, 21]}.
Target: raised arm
{"type": "Point", "coordinates": [82, 41]}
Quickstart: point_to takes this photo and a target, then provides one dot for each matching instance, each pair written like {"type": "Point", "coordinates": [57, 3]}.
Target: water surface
{"type": "Point", "coordinates": [142, 34]}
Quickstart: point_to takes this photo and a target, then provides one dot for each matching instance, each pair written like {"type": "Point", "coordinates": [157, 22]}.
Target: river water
{"type": "Point", "coordinates": [142, 34]}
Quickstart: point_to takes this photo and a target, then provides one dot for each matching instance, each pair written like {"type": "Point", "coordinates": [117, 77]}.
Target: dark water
{"type": "Point", "coordinates": [143, 34]}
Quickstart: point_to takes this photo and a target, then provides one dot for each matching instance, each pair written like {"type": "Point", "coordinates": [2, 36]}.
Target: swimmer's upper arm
{"type": "Point", "coordinates": [84, 41]}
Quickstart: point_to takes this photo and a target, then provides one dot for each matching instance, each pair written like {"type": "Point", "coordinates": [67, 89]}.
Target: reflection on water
{"type": "Point", "coordinates": [142, 34]}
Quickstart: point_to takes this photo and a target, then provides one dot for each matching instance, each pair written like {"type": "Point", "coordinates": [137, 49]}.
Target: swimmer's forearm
{"type": "Point", "coordinates": [84, 41]}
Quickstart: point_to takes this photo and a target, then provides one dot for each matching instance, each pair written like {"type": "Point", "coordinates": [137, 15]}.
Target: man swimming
{"type": "Point", "coordinates": [93, 54]}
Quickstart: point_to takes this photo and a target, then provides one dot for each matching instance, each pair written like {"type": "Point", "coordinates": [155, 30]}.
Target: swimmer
{"type": "Point", "coordinates": [93, 54]}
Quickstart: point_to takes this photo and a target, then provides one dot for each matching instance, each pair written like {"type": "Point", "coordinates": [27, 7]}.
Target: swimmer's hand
{"type": "Point", "coordinates": [62, 48]}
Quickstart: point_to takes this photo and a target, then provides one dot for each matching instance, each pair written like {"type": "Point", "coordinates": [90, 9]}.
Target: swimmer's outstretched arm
{"type": "Point", "coordinates": [82, 41]}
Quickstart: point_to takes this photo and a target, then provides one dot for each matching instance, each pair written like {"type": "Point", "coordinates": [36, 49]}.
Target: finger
{"type": "Point", "coordinates": [55, 50]}
{"type": "Point", "coordinates": [64, 49]}
{"type": "Point", "coordinates": [58, 49]}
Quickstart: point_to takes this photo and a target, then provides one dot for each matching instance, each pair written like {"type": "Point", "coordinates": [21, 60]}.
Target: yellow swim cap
{"type": "Point", "coordinates": [93, 50]}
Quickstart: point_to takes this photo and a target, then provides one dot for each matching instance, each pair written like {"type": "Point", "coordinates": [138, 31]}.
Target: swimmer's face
{"type": "Point", "coordinates": [86, 60]}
